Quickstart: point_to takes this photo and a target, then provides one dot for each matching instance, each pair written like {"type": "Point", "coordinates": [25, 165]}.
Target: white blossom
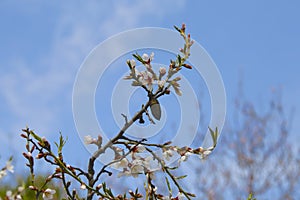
{"type": "Point", "coordinates": [9, 194]}
{"type": "Point", "coordinates": [48, 194]}
{"type": "Point", "coordinates": [83, 186]}
{"type": "Point", "coordinates": [136, 170]}
{"type": "Point", "coordinates": [147, 162]}
{"type": "Point", "coordinates": [146, 57]}
{"type": "Point", "coordinates": [180, 196]}
{"type": "Point", "coordinates": [185, 157]}
{"type": "Point", "coordinates": [139, 148]}
{"type": "Point", "coordinates": [20, 189]}
{"type": "Point", "coordinates": [162, 71]}
{"type": "Point", "coordinates": [206, 153]}
{"type": "Point", "coordinates": [152, 56]}
{"type": "Point", "coordinates": [146, 78]}
{"type": "Point", "coordinates": [2, 173]}
{"type": "Point", "coordinates": [88, 139]}
{"type": "Point", "coordinates": [122, 163]}
{"type": "Point", "coordinates": [132, 63]}
{"type": "Point", "coordinates": [168, 154]}
{"type": "Point", "coordinates": [9, 166]}
{"type": "Point", "coordinates": [137, 167]}
{"type": "Point", "coordinates": [161, 83]}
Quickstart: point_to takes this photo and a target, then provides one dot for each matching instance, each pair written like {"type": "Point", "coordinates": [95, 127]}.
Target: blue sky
{"type": "Point", "coordinates": [43, 44]}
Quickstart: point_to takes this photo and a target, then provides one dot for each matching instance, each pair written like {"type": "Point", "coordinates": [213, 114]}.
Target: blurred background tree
{"type": "Point", "coordinates": [25, 192]}
{"type": "Point", "coordinates": [255, 155]}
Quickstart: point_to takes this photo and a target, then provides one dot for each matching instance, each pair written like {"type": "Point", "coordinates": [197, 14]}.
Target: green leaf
{"type": "Point", "coordinates": [172, 168]}
{"type": "Point", "coordinates": [250, 197]}
{"type": "Point", "coordinates": [138, 57]}
{"type": "Point", "coordinates": [110, 193]}
{"type": "Point", "coordinates": [178, 29]}
{"type": "Point", "coordinates": [104, 186]}
{"type": "Point", "coordinates": [179, 60]}
{"type": "Point", "coordinates": [181, 177]}
{"type": "Point", "coordinates": [214, 135]}
{"type": "Point", "coordinates": [35, 136]}
{"type": "Point", "coordinates": [61, 144]}
{"type": "Point", "coordinates": [169, 186]}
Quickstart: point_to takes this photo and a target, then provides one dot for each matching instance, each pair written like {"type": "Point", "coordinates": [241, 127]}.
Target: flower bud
{"type": "Point", "coordinates": [99, 186]}
{"type": "Point", "coordinates": [40, 155]}
{"type": "Point", "coordinates": [183, 27]}
{"type": "Point", "coordinates": [83, 186]}
{"type": "Point", "coordinates": [162, 71]}
{"type": "Point", "coordinates": [178, 78]}
{"type": "Point", "coordinates": [31, 187]}
{"type": "Point", "coordinates": [187, 66]}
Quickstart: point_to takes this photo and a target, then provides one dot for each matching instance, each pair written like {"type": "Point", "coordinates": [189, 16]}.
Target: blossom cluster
{"type": "Point", "coordinates": [10, 195]}
{"type": "Point", "coordinates": [148, 77]}
{"type": "Point", "coordinates": [132, 157]}
{"type": "Point", "coordinates": [8, 168]}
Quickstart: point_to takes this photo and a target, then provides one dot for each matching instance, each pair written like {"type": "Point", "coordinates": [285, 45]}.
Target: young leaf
{"type": "Point", "coordinates": [178, 29]}
{"type": "Point", "coordinates": [181, 177]}
{"type": "Point", "coordinates": [169, 186]}
{"type": "Point", "coordinates": [138, 57]}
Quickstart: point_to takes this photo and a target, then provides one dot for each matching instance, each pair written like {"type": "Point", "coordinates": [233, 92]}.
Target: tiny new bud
{"type": "Point", "coordinates": [98, 187]}
{"type": "Point", "coordinates": [68, 184]}
{"type": "Point", "coordinates": [131, 193]}
{"type": "Point", "coordinates": [183, 27]}
{"type": "Point", "coordinates": [83, 186]}
{"type": "Point", "coordinates": [99, 140]}
{"type": "Point", "coordinates": [192, 195]}
{"type": "Point", "coordinates": [40, 155]}
{"type": "Point", "coordinates": [141, 120]}
{"type": "Point", "coordinates": [32, 149]}
{"type": "Point", "coordinates": [199, 150]}
{"type": "Point", "coordinates": [187, 66]}
{"type": "Point", "coordinates": [31, 187]}
{"type": "Point", "coordinates": [27, 155]}
{"type": "Point", "coordinates": [74, 193]}
{"type": "Point", "coordinates": [162, 71]}
{"type": "Point", "coordinates": [23, 135]}
{"type": "Point", "coordinates": [57, 170]}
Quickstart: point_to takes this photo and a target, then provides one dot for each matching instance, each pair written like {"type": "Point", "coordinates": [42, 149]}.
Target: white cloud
{"type": "Point", "coordinates": [129, 15]}
{"type": "Point", "coordinates": [40, 98]}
